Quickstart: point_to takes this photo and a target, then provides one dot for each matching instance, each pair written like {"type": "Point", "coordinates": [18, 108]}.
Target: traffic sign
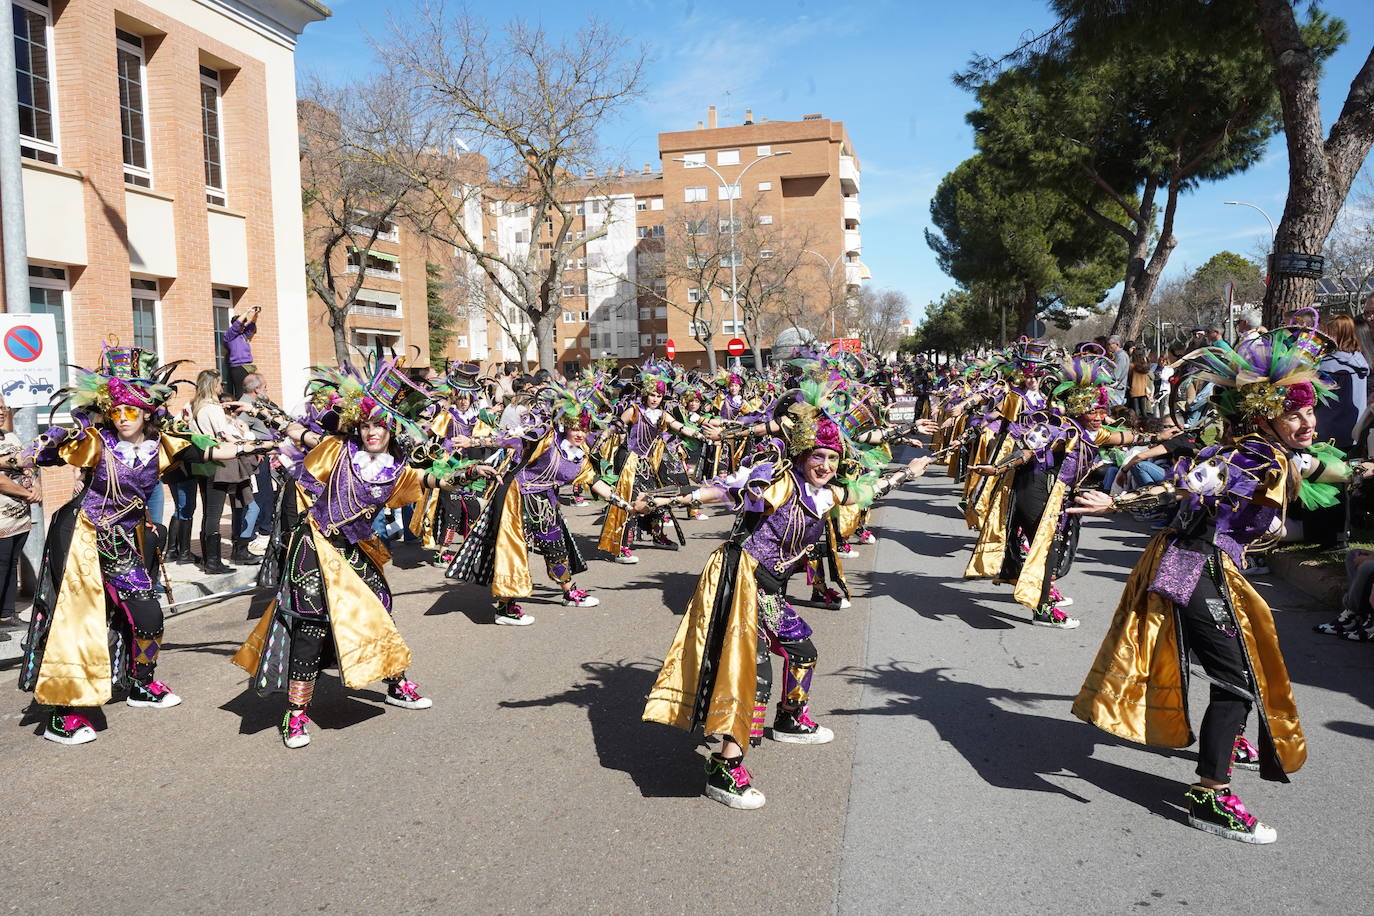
{"type": "Point", "coordinates": [852, 344]}
{"type": "Point", "coordinates": [22, 343]}
{"type": "Point", "coordinates": [669, 349]}
{"type": "Point", "coordinates": [735, 347]}
{"type": "Point", "coordinates": [30, 364]}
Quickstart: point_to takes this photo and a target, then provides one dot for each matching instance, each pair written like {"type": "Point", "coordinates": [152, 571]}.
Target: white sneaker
{"type": "Point", "coordinates": [578, 598]}
{"type": "Point", "coordinates": [69, 729]}
{"type": "Point", "coordinates": [407, 696]}
{"type": "Point", "coordinates": [626, 557]}
{"type": "Point", "coordinates": [156, 695]}
{"type": "Point", "coordinates": [867, 538]}
{"type": "Point", "coordinates": [259, 543]}
{"type": "Point", "coordinates": [512, 616]}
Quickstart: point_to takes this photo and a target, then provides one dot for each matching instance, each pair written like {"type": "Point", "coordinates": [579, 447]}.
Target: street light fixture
{"type": "Point", "coordinates": [730, 189]}
{"type": "Point", "coordinates": [830, 279]}
{"type": "Point", "coordinates": [1241, 203]}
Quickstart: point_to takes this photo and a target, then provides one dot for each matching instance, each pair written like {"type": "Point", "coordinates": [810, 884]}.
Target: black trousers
{"type": "Point", "coordinates": [11, 553]}
{"type": "Point", "coordinates": [1210, 634]}
{"type": "Point", "coordinates": [235, 380]}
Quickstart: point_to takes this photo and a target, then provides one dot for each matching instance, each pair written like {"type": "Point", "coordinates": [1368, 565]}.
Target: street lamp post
{"type": "Point", "coordinates": [1269, 267]}
{"type": "Point", "coordinates": [739, 183]}
{"type": "Point", "coordinates": [830, 279]}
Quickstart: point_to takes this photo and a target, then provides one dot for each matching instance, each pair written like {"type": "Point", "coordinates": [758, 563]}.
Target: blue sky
{"type": "Point", "coordinates": [882, 67]}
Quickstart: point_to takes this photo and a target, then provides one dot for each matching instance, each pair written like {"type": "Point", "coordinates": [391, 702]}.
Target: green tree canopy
{"type": "Point", "coordinates": [1127, 115]}
{"type": "Point", "coordinates": [1030, 244]}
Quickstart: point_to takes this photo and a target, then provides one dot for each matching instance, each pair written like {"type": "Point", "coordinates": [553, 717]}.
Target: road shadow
{"type": "Point", "coordinates": [929, 543]}
{"type": "Point", "coordinates": [225, 648]}
{"type": "Point", "coordinates": [675, 588]}
{"type": "Point", "coordinates": [1353, 729]}
{"type": "Point", "coordinates": [1319, 660]}
{"type": "Point", "coordinates": [1009, 749]}
{"type": "Point", "coordinates": [333, 707]}
{"type": "Point", "coordinates": [934, 599]}
{"type": "Point", "coordinates": [661, 761]}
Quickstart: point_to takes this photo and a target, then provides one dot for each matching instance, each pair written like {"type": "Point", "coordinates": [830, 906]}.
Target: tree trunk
{"type": "Point", "coordinates": [710, 352]}
{"type": "Point", "coordinates": [338, 325]}
{"type": "Point", "coordinates": [543, 329]}
{"type": "Point", "coordinates": [1320, 171]}
{"type": "Point", "coordinates": [1142, 275]}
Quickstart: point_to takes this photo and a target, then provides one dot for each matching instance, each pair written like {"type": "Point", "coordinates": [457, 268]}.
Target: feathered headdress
{"type": "Point", "coordinates": [125, 376]}
{"type": "Point", "coordinates": [384, 394]}
{"type": "Point", "coordinates": [1266, 376]}
{"type": "Point", "coordinates": [1083, 380]}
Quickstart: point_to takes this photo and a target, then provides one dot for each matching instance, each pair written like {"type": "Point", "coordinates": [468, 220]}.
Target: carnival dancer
{"type": "Point", "coordinates": [1186, 594]}
{"type": "Point", "coordinates": [638, 466]}
{"type": "Point", "coordinates": [443, 517]}
{"type": "Point", "coordinates": [97, 624]}
{"type": "Point", "coordinates": [718, 673]}
{"type": "Point", "coordinates": [1022, 367]}
{"type": "Point", "coordinates": [524, 515]}
{"type": "Point", "coordinates": [1055, 455]}
{"type": "Point", "coordinates": [334, 602]}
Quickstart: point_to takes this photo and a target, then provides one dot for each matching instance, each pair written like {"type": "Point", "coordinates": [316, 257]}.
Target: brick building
{"type": "Point", "coordinates": [800, 187]}
{"type": "Point", "coordinates": [161, 181]}
{"type": "Point", "coordinates": [160, 175]}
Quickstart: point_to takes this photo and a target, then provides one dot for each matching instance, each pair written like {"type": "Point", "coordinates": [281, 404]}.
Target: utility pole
{"type": "Point", "coordinates": [15, 244]}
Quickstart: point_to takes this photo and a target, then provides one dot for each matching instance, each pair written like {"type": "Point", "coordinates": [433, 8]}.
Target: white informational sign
{"type": "Point", "coordinates": [902, 412]}
{"type": "Point", "coordinates": [30, 370]}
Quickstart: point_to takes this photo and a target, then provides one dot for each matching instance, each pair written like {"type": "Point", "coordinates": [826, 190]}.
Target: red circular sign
{"type": "Point", "coordinates": [669, 349]}
{"type": "Point", "coordinates": [22, 343]}
{"type": "Point", "coordinates": [735, 347]}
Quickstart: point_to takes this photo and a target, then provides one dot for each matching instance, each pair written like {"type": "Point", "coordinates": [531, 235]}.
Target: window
{"type": "Point", "coordinates": [696, 195]}
{"type": "Point", "coordinates": [133, 103]}
{"type": "Point", "coordinates": [596, 206]}
{"type": "Point", "coordinates": [732, 260]}
{"type": "Point", "coordinates": [222, 307]}
{"type": "Point", "coordinates": [727, 192]}
{"type": "Point", "coordinates": [363, 223]}
{"type": "Point", "coordinates": [701, 329]}
{"type": "Point", "coordinates": [660, 287]}
{"type": "Point", "coordinates": [214, 137]}
{"type": "Point", "coordinates": [641, 205]}
{"type": "Point", "coordinates": [568, 343]}
{"type": "Point", "coordinates": [582, 315]}
{"type": "Point", "coordinates": [728, 227]}
{"type": "Point", "coordinates": [582, 343]}
{"type": "Point", "coordinates": [660, 339]}
{"type": "Point", "coordinates": [765, 254]}
{"type": "Point", "coordinates": [522, 236]}
{"type": "Point", "coordinates": [462, 341]}
{"type": "Point", "coordinates": [569, 289]}
{"type": "Point", "coordinates": [376, 263]}
{"type": "Point", "coordinates": [378, 303]}
{"type": "Point", "coordinates": [596, 340]}
{"type": "Point", "coordinates": [48, 296]}
{"type": "Point", "coordinates": [567, 317]}
{"type": "Point", "coordinates": [645, 314]}
{"type": "Point", "coordinates": [33, 71]}
{"type": "Point", "coordinates": [646, 340]}
{"type": "Point", "coordinates": [694, 161]}
{"type": "Point", "coordinates": [581, 209]}
{"type": "Point", "coordinates": [649, 232]}
{"type": "Point", "coordinates": [145, 300]}
{"type": "Point", "coordinates": [765, 220]}
{"type": "Point", "coordinates": [764, 151]}
{"type": "Point", "coordinates": [694, 295]}
{"type": "Point", "coordinates": [546, 246]}
{"type": "Point", "coordinates": [693, 262]}
{"type": "Point", "coordinates": [727, 157]}
{"type": "Point", "coordinates": [660, 311]}
{"type": "Point", "coordinates": [765, 185]}
{"type": "Point", "coordinates": [698, 227]}
{"type": "Point", "coordinates": [656, 203]}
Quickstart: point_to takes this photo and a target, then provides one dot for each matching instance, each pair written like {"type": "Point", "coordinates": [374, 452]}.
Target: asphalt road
{"type": "Point", "coordinates": [958, 782]}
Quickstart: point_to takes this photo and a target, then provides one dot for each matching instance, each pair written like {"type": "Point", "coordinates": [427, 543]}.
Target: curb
{"type": "Point", "coordinates": [1303, 571]}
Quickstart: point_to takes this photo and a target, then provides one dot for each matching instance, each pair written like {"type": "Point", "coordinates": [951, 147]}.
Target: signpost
{"type": "Point", "coordinates": [735, 347]}
{"type": "Point", "coordinates": [30, 370]}
{"type": "Point", "coordinates": [669, 349]}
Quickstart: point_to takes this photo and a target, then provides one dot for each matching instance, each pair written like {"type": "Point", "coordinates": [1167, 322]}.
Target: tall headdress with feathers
{"type": "Point", "coordinates": [1265, 376]}
{"type": "Point", "coordinates": [383, 393]}
{"type": "Point", "coordinates": [124, 376]}
{"type": "Point", "coordinates": [1083, 378]}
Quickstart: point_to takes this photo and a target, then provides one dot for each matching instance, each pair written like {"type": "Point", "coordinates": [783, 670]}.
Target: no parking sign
{"type": "Point", "coordinates": [30, 368]}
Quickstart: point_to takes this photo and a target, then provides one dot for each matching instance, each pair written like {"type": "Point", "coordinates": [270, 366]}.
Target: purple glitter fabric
{"type": "Point", "coordinates": [549, 471]}
{"type": "Point", "coordinates": [791, 626]}
{"type": "Point", "coordinates": [782, 540]}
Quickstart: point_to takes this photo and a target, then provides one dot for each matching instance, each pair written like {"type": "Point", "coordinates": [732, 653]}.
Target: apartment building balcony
{"type": "Point", "coordinates": [853, 244]}
{"type": "Point", "coordinates": [52, 208]}
{"type": "Point", "coordinates": [849, 175]}
{"type": "Point", "coordinates": [855, 272]}
{"type": "Point", "coordinates": [851, 212]}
